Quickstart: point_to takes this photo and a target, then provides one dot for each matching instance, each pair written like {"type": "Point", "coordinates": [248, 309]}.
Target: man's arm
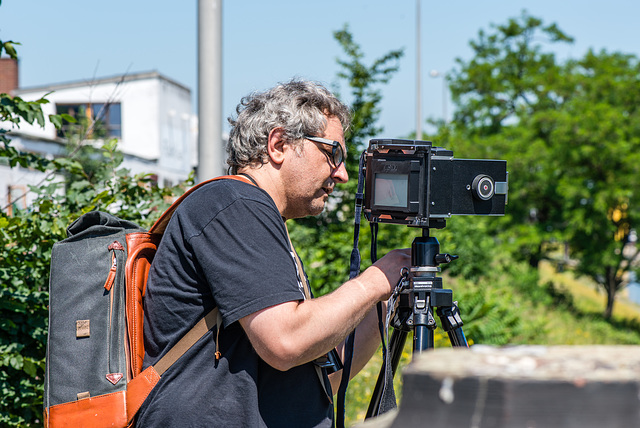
{"type": "Point", "coordinates": [367, 341]}
{"type": "Point", "coordinates": [293, 333]}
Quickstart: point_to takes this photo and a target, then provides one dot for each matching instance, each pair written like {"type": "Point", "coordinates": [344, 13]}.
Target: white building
{"type": "Point", "coordinates": [150, 114]}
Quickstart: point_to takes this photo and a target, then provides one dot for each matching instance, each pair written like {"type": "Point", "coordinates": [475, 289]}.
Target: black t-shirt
{"type": "Point", "coordinates": [225, 245]}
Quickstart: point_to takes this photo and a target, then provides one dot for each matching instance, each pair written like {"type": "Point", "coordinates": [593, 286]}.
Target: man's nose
{"type": "Point", "coordinates": [340, 173]}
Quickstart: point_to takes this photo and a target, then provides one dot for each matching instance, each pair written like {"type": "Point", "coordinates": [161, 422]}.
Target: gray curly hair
{"type": "Point", "coordinates": [300, 107]}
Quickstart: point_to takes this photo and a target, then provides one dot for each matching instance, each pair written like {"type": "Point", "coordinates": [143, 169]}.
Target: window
{"type": "Point", "coordinates": [94, 120]}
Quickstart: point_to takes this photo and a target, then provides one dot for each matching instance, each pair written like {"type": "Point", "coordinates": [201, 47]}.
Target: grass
{"type": "Point", "coordinates": [587, 296]}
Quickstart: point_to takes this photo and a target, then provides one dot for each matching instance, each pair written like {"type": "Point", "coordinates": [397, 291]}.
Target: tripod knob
{"type": "Point", "coordinates": [445, 258]}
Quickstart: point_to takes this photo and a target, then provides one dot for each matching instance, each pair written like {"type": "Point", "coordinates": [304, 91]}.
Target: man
{"type": "Point", "coordinates": [227, 246]}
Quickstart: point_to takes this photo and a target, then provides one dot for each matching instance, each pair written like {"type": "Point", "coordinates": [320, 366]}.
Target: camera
{"type": "Point", "coordinates": [415, 183]}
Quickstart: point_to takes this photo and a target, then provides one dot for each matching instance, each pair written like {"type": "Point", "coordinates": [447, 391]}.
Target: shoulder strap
{"type": "Point", "coordinates": [303, 278]}
{"type": "Point", "coordinates": [140, 386]}
{"type": "Point", "coordinates": [188, 340]}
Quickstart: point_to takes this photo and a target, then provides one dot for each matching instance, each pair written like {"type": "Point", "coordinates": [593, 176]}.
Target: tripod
{"type": "Point", "coordinates": [421, 292]}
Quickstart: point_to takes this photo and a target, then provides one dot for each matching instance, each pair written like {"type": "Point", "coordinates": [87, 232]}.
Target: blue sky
{"type": "Point", "coordinates": [266, 42]}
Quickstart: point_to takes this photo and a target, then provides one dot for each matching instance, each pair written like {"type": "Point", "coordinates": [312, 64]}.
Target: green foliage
{"type": "Point", "coordinates": [470, 238]}
{"type": "Point", "coordinates": [508, 76]}
{"type": "Point", "coordinates": [8, 47]}
{"type": "Point", "coordinates": [26, 239]}
{"type": "Point", "coordinates": [486, 280]}
{"type": "Point", "coordinates": [570, 136]}
{"type": "Point", "coordinates": [364, 83]}
{"type": "Point", "coordinates": [15, 110]}
{"type": "Point", "coordinates": [596, 151]}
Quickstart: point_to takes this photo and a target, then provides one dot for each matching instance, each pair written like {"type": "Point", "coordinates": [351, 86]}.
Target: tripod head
{"type": "Point", "coordinates": [425, 252]}
{"type": "Point", "coordinates": [422, 290]}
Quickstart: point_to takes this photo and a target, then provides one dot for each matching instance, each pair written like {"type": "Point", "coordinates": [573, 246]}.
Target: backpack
{"type": "Point", "coordinates": [95, 346]}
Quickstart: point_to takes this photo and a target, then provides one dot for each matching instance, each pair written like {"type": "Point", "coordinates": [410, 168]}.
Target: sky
{"type": "Point", "coordinates": [267, 42]}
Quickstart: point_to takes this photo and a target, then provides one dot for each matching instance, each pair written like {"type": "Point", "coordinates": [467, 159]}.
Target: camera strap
{"type": "Point", "coordinates": [354, 270]}
{"type": "Point", "coordinates": [307, 295]}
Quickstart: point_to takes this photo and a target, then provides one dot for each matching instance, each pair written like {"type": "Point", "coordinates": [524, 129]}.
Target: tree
{"type": "Point", "coordinates": [569, 133]}
{"type": "Point", "coordinates": [509, 76]}
{"type": "Point", "coordinates": [509, 79]}
{"type": "Point", "coordinates": [596, 154]}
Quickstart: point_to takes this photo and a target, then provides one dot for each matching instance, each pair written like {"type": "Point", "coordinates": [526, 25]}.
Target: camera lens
{"type": "Point", "coordinates": [483, 187]}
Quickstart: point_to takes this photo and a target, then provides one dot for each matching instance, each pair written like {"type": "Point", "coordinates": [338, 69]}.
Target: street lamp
{"type": "Point", "coordinates": [435, 74]}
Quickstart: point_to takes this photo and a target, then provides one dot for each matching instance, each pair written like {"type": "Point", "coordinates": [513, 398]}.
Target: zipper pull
{"type": "Point", "coordinates": [114, 264]}
{"type": "Point", "coordinates": [115, 245]}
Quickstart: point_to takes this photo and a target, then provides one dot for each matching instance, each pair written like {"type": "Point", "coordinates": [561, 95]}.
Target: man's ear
{"type": "Point", "coordinates": [275, 145]}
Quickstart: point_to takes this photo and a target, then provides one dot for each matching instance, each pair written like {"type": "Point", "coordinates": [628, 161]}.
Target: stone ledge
{"type": "Point", "coordinates": [520, 386]}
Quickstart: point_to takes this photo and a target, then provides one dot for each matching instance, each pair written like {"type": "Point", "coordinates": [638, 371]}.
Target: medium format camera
{"type": "Point", "coordinates": [414, 183]}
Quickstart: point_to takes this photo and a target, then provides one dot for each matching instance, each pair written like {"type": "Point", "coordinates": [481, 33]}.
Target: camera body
{"type": "Point", "coordinates": [414, 183]}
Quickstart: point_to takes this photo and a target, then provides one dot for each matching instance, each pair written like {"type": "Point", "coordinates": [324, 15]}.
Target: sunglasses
{"type": "Point", "coordinates": [337, 153]}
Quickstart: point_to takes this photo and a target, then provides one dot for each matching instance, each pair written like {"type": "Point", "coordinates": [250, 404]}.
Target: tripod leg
{"type": "Point", "coordinates": [452, 324]}
{"type": "Point", "coordinates": [423, 336]}
{"type": "Point", "coordinates": [396, 345]}
{"type": "Point", "coordinates": [423, 322]}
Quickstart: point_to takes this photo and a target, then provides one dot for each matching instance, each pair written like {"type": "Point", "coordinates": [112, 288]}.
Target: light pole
{"type": "Point", "coordinates": [210, 145]}
{"type": "Point", "coordinates": [435, 74]}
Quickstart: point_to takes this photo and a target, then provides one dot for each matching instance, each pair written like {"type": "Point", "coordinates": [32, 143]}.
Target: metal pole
{"type": "Point", "coordinates": [418, 80]}
{"type": "Point", "coordinates": [210, 144]}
